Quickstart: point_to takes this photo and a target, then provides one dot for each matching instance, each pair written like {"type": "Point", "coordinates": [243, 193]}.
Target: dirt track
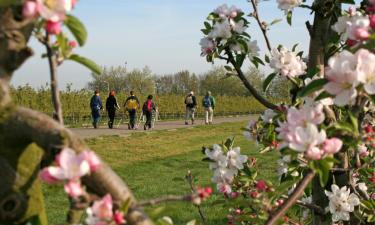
{"type": "Point", "coordinates": [122, 130]}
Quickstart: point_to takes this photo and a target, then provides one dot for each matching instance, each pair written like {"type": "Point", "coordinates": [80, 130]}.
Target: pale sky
{"type": "Point", "coordinates": [163, 35]}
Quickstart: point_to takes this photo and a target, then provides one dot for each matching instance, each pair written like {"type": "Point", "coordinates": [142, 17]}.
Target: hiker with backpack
{"type": "Point", "coordinates": [191, 104]}
{"type": "Point", "coordinates": [111, 106]}
{"type": "Point", "coordinates": [208, 103]}
{"type": "Point", "coordinates": [96, 105]}
{"type": "Point", "coordinates": [132, 105]}
{"type": "Point", "coordinates": [148, 108]}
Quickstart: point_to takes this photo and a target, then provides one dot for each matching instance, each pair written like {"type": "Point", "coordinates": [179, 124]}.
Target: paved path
{"type": "Point", "coordinates": [122, 130]}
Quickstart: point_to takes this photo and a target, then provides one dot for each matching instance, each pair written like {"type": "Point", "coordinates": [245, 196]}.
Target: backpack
{"type": "Point", "coordinates": [207, 102]}
{"type": "Point", "coordinates": [147, 106]}
{"type": "Point", "coordinates": [132, 104]}
{"type": "Point", "coordinates": [189, 100]}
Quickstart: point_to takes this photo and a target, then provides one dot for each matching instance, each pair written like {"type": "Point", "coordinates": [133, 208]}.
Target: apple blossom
{"type": "Point", "coordinates": [288, 5]}
{"type": "Point", "coordinates": [268, 115]}
{"type": "Point", "coordinates": [332, 145]}
{"type": "Point", "coordinates": [207, 46]}
{"type": "Point", "coordinates": [225, 12]}
{"type": "Point", "coordinates": [306, 138]}
{"type": "Point", "coordinates": [352, 27]}
{"type": "Point", "coordinates": [362, 151]}
{"type": "Point", "coordinates": [221, 30]}
{"type": "Point", "coordinates": [253, 48]}
{"type": "Point", "coordinates": [118, 217]}
{"type": "Point", "coordinates": [287, 63]}
{"type": "Point", "coordinates": [283, 165]}
{"type": "Point", "coordinates": [238, 27]}
{"type": "Point", "coordinates": [235, 159]}
{"type": "Point", "coordinates": [314, 153]}
{"type": "Point", "coordinates": [92, 159]}
{"type": "Point", "coordinates": [366, 69]}
{"type": "Point", "coordinates": [372, 21]}
{"type": "Point", "coordinates": [343, 78]}
{"type": "Point", "coordinates": [30, 9]}
{"type": "Point", "coordinates": [46, 176]}
{"type": "Point", "coordinates": [250, 133]}
{"type": "Point", "coordinates": [72, 44]}
{"type": "Point", "coordinates": [341, 202]}
{"type": "Point", "coordinates": [73, 189]}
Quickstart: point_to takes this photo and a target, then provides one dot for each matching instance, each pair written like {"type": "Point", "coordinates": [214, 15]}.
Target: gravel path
{"type": "Point", "coordinates": [122, 130]}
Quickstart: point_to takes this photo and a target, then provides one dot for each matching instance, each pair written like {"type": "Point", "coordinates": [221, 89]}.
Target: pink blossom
{"type": "Point", "coordinates": [207, 46]}
{"type": "Point", "coordinates": [53, 27]}
{"type": "Point", "coordinates": [314, 153]}
{"type": "Point", "coordinates": [74, 189]}
{"type": "Point", "coordinates": [362, 151]}
{"type": "Point", "coordinates": [70, 166]}
{"type": "Point", "coordinates": [92, 159]}
{"type": "Point", "coordinates": [261, 185]}
{"type": "Point", "coordinates": [224, 188]}
{"type": "Point", "coordinates": [102, 209]}
{"type": "Point", "coordinates": [366, 69]}
{"type": "Point", "coordinates": [372, 21]}
{"type": "Point", "coordinates": [30, 9]}
{"type": "Point", "coordinates": [47, 177]}
{"type": "Point", "coordinates": [118, 217]}
{"type": "Point", "coordinates": [73, 44]}
{"type": "Point", "coordinates": [332, 145]}
{"type": "Point", "coordinates": [361, 34]}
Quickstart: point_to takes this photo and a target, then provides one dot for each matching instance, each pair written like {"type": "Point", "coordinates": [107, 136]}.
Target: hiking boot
{"type": "Point", "coordinates": [144, 127]}
{"type": "Point", "coordinates": [186, 123]}
{"type": "Point", "coordinates": [129, 128]}
{"type": "Point", "coordinates": [192, 121]}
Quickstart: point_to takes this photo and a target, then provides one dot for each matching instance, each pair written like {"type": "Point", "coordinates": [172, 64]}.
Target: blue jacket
{"type": "Point", "coordinates": [96, 103]}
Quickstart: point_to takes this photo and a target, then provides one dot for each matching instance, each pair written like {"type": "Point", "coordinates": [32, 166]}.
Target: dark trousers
{"type": "Point", "coordinates": [95, 117]}
{"type": "Point", "coordinates": [148, 118]}
{"type": "Point", "coordinates": [132, 117]}
{"type": "Point", "coordinates": [111, 116]}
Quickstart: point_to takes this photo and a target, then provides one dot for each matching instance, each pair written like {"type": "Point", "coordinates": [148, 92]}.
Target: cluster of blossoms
{"type": "Point", "coordinates": [288, 5]}
{"type": "Point", "coordinates": [300, 133]}
{"type": "Point", "coordinates": [225, 166]}
{"type": "Point", "coordinates": [341, 203]}
{"type": "Point", "coordinates": [227, 23]}
{"type": "Point", "coordinates": [52, 11]}
{"type": "Point", "coordinates": [287, 63]}
{"type": "Point", "coordinates": [346, 72]}
{"type": "Point", "coordinates": [354, 26]}
{"type": "Point", "coordinates": [101, 213]}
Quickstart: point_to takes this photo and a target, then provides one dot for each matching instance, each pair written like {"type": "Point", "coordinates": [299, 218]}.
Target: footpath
{"type": "Point", "coordinates": [122, 130]}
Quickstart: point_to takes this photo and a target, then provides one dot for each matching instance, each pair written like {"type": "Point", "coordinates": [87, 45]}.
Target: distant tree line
{"type": "Point", "coordinates": [216, 80]}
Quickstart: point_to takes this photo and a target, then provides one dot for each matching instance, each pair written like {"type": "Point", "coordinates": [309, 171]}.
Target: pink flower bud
{"type": "Point", "coordinates": [74, 189]}
{"type": "Point", "coordinates": [46, 176]}
{"type": "Point", "coordinates": [103, 208]}
{"type": "Point", "coordinates": [361, 34]}
{"type": "Point", "coordinates": [314, 153]}
{"type": "Point", "coordinates": [53, 27]}
{"type": "Point", "coordinates": [73, 44]}
{"type": "Point", "coordinates": [92, 159]}
{"type": "Point", "coordinates": [352, 11]}
{"type": "Point", "coordinates": [261, 185]}
{"type": "Point", "coordinates": [30, 9]}
{"type": "Point", "coordinates": [234, 194]}
{"type": "Point", "coordinates": [351, 42]}
{"type": "Point", "coordinates": [118, 217]}
{"type": "Point", "coordinates": [332, 145]}
{"type": "Point", "coordinates": [254, 194]}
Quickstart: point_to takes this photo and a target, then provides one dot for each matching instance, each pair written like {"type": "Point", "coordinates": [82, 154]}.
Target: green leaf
{"type": "Point", "coordinates": [323, 167]}
{"type": "Point", "coordinates": [86, 62]}
{"type": "Point", "coordinates": [6, 3]}
{"type": "Point", "coordinates": [207, 25]}
{"type": "Point", "coordinates": [35, 220]}
{"type": "Point", "coordinates": [275, 21]}
{"type": "Point", "coordinates": [267, 58]}
{"type": "Point", "coordinates": [229, 143]}
{"type": "Point", "coordinates": [228, 68]}
{"type": "Point", "coordinates": [289, 18]}
{"type": "Point", "coordinates": [125, 206]}
{"type": "Point", "coordinates": [313, 86]}
{"type": "Point", "coordinates": [268, 80]}
{"type": "Point", "coordinates": [323, 95]}
{"type": "Point", "coordinates": [77, 28]}
{"type": "Point", "coordinates": [351, 2]}
{"type": "Point", "coordinates": [294, 47]}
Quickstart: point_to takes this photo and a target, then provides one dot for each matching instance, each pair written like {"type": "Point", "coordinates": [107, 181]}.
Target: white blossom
{"type": "Point", "coordinates": [341, 203]}
{"type": "Point", "coordinates": [221, 30]}
{"type": "Point", "coordinates": [235, 159]}
{"type": "Point", "coordinates": [288, 5]}
{"type": "Point", "coordinates": [268, 115]}
{"type": "Point", "coordinates": [207, 46]}
{"type": "Point", "coordinates": [253, 48]}
{"type": "Point", "coordinates": [287, 63]}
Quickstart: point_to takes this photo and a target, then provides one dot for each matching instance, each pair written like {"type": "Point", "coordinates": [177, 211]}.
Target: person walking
{"type": "Point", "coordinates": [132, 105]}
{"type": "Point", "coordinates": [111, 106]}
{"type": "Point", "coordinates": [148, 108]}
{"type": "Point", "coordinates": [208, 103]}
{"type": "Point", "coordinates": [96, 105]}
{"type": "Point", "coordinates": [191, 104]}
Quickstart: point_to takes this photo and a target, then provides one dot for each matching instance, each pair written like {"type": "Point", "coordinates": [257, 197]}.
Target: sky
{"type": "Point", "coordinates": [161, 34]}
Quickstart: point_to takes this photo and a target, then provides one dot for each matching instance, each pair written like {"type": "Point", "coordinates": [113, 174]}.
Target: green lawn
{"type": "Point", "coordinates": [153, 164]}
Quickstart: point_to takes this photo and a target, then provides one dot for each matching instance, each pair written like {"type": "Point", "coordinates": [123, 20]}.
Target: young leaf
{"type": "Point", "coordinates": [86, 62]}
{"type": "Point", "coordinates": [76, 28]}
{"type": "Point", "coordinates": [268, 80]}
{"type": "Point", "coordinates": [294, 47]}
{"type": "Point", "coordinates": [275, 21]}
{"type": "Point", "coordinates": [314, 85]}
{"type": "Point", "coordinates": [267, 58]}
{"type": "Point", "coordinates": [289, 18]}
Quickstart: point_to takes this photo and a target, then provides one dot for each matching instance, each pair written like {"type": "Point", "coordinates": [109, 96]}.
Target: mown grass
{"type": "Point", "coordinates": [155, 163]}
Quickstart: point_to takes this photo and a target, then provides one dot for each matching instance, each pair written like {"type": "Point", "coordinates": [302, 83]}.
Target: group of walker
{"type": "Point", "coordinates": [149, 109]}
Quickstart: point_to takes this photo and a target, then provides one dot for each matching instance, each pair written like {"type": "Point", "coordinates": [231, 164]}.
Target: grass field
{"type": "Point", "coordinates": [153, 164]}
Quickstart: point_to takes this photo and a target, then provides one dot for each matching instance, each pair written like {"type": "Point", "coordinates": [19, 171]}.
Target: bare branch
{"type": "Point", "coordinates": [247, 84]}
{"type": "Point", "coordinates": [262, 26]}
{"type": "Point", "coordinates": [297, 193]}
{"type": "Point", "coordinates": [55, 94]}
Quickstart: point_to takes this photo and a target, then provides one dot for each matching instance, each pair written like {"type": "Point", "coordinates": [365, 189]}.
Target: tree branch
{"type": "Point", "coordinates": [247, 84]}
{"type": "Point", "coordinates": [26, 125]}
{"type": "Point", "coordinates": [297, 193]}
{"type": "Point", "coordinates": [168, 198]}
{"type": "Point", "coordinates": [52, 62]}
{"type": "Point", "coordinates": [262, 26]}
{"type": "Point", "coordinates": [313, 207]}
